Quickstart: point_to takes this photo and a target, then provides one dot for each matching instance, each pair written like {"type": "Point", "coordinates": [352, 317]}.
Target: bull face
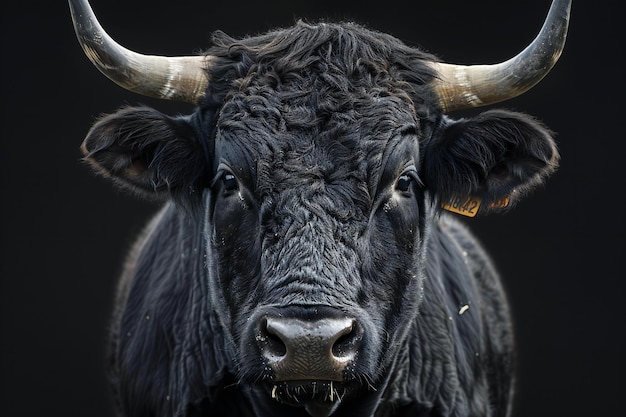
{"type": "Point", "coordinates": [317, 235]}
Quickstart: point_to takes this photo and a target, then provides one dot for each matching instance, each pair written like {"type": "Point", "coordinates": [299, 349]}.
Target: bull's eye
{"type": "Point", "coordinates": [404, 183]}
{"type": "Point", "coordinates": [229, 182]}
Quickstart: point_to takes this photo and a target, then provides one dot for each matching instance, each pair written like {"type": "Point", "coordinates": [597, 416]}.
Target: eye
{"type": "Point", "coordinates": [404, 183]}
{"type": "Point", "coordinates": [229, 182]}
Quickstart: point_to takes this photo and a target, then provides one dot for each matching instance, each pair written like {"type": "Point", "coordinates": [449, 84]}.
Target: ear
{"type": "Point", "coordinates": [148, 152]}
{"type": "Point", "coordinates": [497, 156]}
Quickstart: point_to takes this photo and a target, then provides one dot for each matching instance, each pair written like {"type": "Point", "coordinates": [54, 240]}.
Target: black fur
{"type": "Point", "coordinates": [311, 175]}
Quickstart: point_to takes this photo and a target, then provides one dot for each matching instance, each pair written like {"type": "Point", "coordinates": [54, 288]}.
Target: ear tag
{"type": "Point", "coordinates": [465, 207]}
{"type": "Point", "coordinates": [501, 203]}
{"type": "Point", "coordinates": [469, 206]}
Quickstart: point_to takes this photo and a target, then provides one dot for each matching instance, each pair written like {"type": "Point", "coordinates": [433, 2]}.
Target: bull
{"type": "Point", "coordinates": [304, 262]}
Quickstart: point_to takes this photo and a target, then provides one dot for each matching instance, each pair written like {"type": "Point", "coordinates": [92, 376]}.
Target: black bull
{"type": "Point", "coordinates": [303, 264]}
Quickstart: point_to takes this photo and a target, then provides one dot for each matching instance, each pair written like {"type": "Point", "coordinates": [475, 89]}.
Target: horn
{"type": "Point", "coordinates": [173, 78]}
{"type": "Point", "coordinates": [465, 86]}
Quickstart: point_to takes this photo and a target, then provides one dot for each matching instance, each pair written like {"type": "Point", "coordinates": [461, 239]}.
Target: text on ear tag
{"type": "Point", "coordinates": [470, 205]}
{"type": "Point", "coordinates": [465, 207]}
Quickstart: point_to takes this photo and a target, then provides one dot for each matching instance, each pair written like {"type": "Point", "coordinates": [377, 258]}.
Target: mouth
{"type": "Point", "coordinates": [319, 398]}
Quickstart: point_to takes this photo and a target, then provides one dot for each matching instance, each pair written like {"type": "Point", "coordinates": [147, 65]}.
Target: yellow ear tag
{"type": "Point", "coordinates": [469, 207]}
{"type": "Point", "coordinates": [501, 203]}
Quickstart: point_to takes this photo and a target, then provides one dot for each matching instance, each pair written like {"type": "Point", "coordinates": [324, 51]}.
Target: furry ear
{"type": "Point", "coordinates": [141, 149]}
{"type": "Point", "coordinates": [497, 155]}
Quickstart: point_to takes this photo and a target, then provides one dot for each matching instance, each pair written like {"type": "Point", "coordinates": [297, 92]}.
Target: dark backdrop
{"type": "Point", "coordinates": [64, 231]}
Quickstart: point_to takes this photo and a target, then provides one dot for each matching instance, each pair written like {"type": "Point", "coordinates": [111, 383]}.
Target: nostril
{"type": "Point", "coordinates": [342, 345]}
{"type": "Point", "coordinates": [346, 345]}
{"type": "Point", "coordinates": [270, 341]}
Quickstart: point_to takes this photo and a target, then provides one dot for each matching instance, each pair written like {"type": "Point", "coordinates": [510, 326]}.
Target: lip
{"type": "Point", "coordinates": [319, 398]}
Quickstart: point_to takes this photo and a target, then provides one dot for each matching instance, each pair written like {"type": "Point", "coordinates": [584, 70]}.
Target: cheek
{"type": "Point", "coordinates": [227, 226]}
{"type": "Point", "coordinates": [399, 220]}
{"type": "Point", "coordinates": [236, 247]}
{"type": "Point", "coordinates": [391, 273]}
{"type": "Point", "coordinates": [393, 243]}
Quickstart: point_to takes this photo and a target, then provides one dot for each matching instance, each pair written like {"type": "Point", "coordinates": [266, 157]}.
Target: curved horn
{"type": "Point", "coordinates": [464, 86]}
{"type": "Point", "coordinates": [174, 78]}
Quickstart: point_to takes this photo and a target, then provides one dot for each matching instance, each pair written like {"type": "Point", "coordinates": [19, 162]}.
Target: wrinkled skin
{"type": "Point", "coordinates": [307, 184]}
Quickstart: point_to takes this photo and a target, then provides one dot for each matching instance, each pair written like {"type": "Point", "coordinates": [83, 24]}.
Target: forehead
{"type": "Point", "coordinates": [321, 133]}
{"type": "Point", "coordinates": [324, 100]}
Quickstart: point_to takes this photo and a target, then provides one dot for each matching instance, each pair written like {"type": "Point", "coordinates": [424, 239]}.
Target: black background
{"type": "Point", "coordinates": [64, 232]}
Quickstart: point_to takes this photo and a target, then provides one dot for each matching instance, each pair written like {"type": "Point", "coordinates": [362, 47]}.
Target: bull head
{"type": "Point", "coordinates": [313, 167]}
{"type": "Point", "coordinates": [458, 86]}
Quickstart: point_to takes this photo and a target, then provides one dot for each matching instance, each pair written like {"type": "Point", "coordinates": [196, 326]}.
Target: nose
{"type": "Point", "coordinates": [308, 349]}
